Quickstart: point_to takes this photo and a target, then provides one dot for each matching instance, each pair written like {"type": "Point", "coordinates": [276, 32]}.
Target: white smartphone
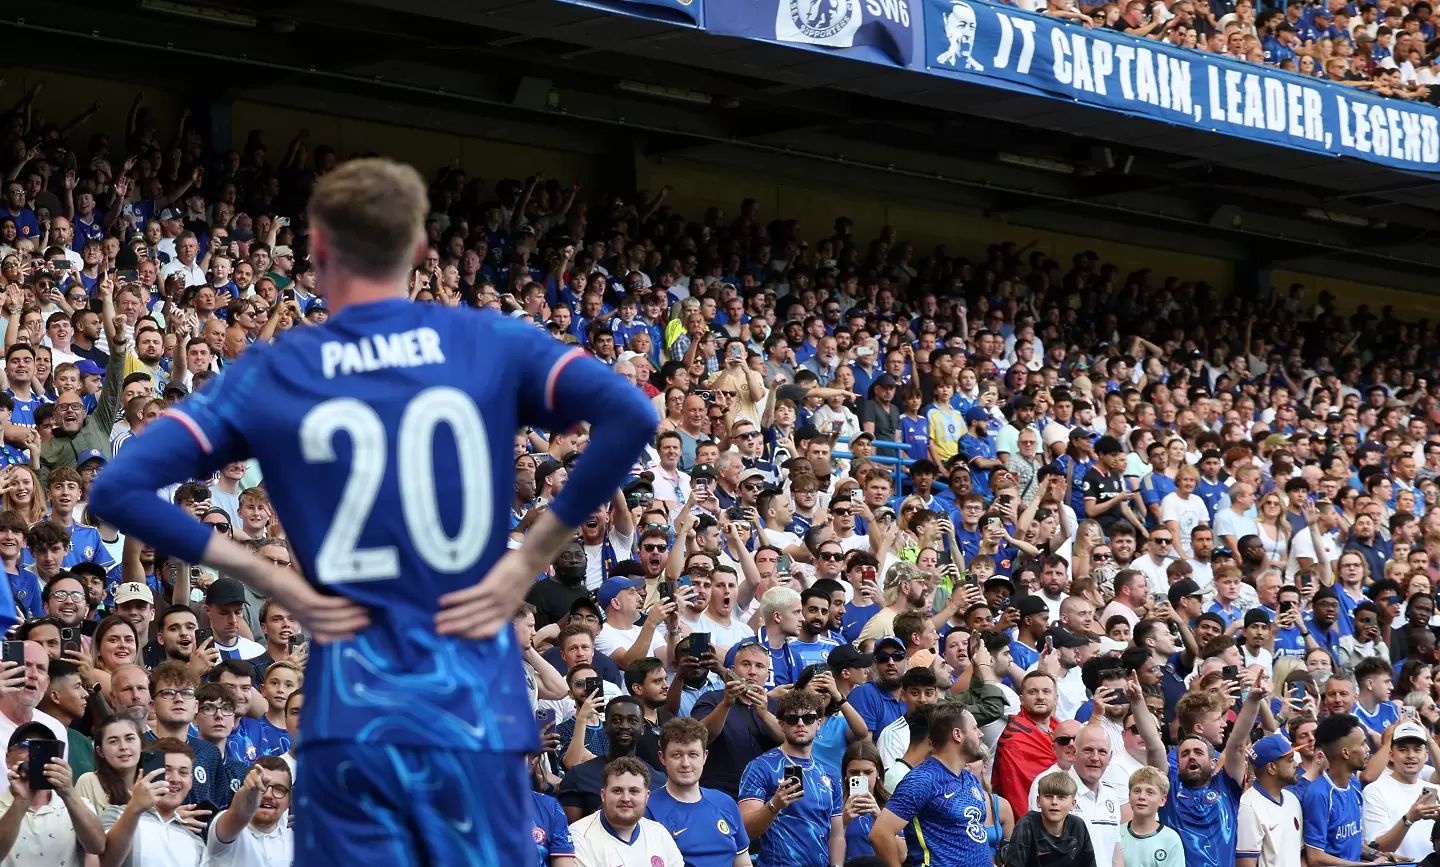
{"type": "Point", "coordinates": [857, 786]}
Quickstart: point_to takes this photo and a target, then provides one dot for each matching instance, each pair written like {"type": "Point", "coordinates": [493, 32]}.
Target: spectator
{"type": "Point", "coordinates": [146, 831]}
{"type": "Point", "coordinates": [1332, 804]}
{"type": "Point", "coordinates": [1270, 818]}
{"type": "Point", "coordinates": [1051, 835]}
{"type": "Point", "coordinates": [918, 686]}
{"type": "Point", "coordinates": [1399, 811]}
{"type": "Point", "coordinates": [796, 816]}
{"type": "Point", "coordinates": [582, 792]}
{"type": "Point", "coordinates": [19, 699]}
{"type": "Point", "coordinates": [618, 832]}
{"type": "Point", "coordinates": [713, 831]}
{"type": "Point", "coordinates": [878, 701]}
{"type": "Point", "coordinates": [251, 830]}
{"type": "Point", "coordinates": [738, 720]}
{"type": "Point", "coordinates": [66, 702]}
{"type": "Point", "coordinates": [1144, 842]}
{"type": "Point", "coordinates": [45, 824]}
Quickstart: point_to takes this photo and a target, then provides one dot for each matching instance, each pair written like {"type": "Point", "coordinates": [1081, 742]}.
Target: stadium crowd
{"type": "Point", "coordinates": [1389, 49]}
{"type": "Point", "coordinates": [932, 560]}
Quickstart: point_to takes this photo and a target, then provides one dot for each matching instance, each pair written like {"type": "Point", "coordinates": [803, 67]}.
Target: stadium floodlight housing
{"type": "Point", "coordinates": [1338, 217]}
{"type": "Point", "coordinates": [199, 13]}
{"type": "Point", "coordinates": [1040, 163]}
{"type": "Point", "coordinates": [659, 91]}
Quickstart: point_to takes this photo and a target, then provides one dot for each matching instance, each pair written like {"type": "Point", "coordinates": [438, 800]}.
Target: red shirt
{"type": "Point", "coordinates": [1023, 751]}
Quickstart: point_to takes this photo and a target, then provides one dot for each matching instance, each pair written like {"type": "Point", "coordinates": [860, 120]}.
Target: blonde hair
{"type": "Point", "coordinates": [1150, 776]}
{"type": "Point", "coordinates": [371, 213]}
{"type": "Point", "coordinates": [290, 666]}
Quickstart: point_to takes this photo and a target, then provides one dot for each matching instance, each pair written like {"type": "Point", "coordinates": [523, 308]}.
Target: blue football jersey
{"type": "Point", "coordinates": [1207, 818]}
{"type": "Point", "coordinates": [384, 436]}
{"type": "Point", "coordinates": [944, 815]}
{"type": "Point", "coordinates": [1332, 817]}
{"type": "Point", "coordinates": [800, 835]}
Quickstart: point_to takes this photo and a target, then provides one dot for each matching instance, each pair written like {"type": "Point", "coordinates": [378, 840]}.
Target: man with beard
{"type": "Point", "coordinates": [65, 601]}
{"type": "Point", "coordinates": [1025, 747]}
{"type": "Point", "coordinates": [878, 702]}
{"type": "Point", "coordinates": [1054, 582]}
{"type": "Point", "coordinates": [1269, 819]}
{"type": "Point", "coordinates": [553, 596]}
{"type": "Point", "coordinates": [580, 793]}
{"type": "Point", "coordinates": [645, 679]}
{"type": "Point", "coordinates": [797, 819]}
{"type": "Point", "coordinates": [130, 693]}
{"type": "Point", "coordinates": [1203, 804]}
{"type": "Point", "coordinates": [726, 630]}
{"type": "Point", "coordinates": [1332, 804]}
{"type": "Point", "coordinates": [18, 704]}
{"type": "Point", "coordinates": [941, 797]}
{"type": "Point", "coordinates": [77, 432]}
{"type": "Point", "coordinates": [176, 636]}
{"type": "Point", "coordinates": [815, 641]}
{"type": "Point", "coordinates": [249, 831]}
{"type": "Point", "coordinates": [905, 588]}
{"type": "Point", "coordinates": [1400, 811]}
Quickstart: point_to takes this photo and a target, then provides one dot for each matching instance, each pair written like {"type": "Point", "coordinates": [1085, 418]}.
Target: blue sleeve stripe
{"type": "Point", "coordinates": [189, 424]}
{"type": "Point", "coordinates": [554, 376]}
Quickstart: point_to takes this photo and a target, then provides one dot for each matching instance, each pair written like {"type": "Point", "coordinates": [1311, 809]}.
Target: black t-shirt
{"type": "Point", "coordinates": [581, 786]}
{"type": "Point", "coordinates": [1103, 487]}
{"type": "Point", "coordinates": [1032, 846]}
{"type": "Point", "coordinates": [552, 600]}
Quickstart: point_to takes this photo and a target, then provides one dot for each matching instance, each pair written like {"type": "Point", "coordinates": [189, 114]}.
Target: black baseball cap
{"type": "Point", "coordinates": [1063, 637]}
{"type": "Point", "coordinates": [848, 656]}
{"type": "Point", "coordinates": [225, 591]}
{"type": "Point", "coordinates": [1031, 605]}
{"type": "Point", "coordinates": [1182, 588]}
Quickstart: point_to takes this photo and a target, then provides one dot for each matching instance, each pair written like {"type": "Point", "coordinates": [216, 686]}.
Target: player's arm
{"type": "Point", "coordinates": [885, 837]}
{"type": "Point", "coordinates": [560, 387]}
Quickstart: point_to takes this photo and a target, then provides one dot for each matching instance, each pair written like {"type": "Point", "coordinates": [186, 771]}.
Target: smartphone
{"type": "Point", "coordinates": [702, 486]}
{"type": "Point", "coordinates": [699, 643]}
{"type": "Point", "coordinates": [1287, 605]}
{"type": "Point", "coordinates": [684, 581]}
{"type": "Point", "coordinates": [811, 672]}
{"type": "Point", "coordinates": [70, 639]}
{"type": "Point", "coordinates": [1230, 672]}
{"type": "Point", "coordinates": [545, 717]}
{"type": "Point", "coordinates": [152, 760]}
{"type": "Point", "coordinates": [856, 495]}
{"type": "Point", "coordinates": [59, 264]}
{"type": "Point", "coordinates": [1049, 644]}
{"type": "Point", "coordinates": [857, 786]}
{"type": "Point", "coordinates": [994, 524]}
{"type": "Point", "coordinates": [1004, 499]}
{"type": "Point", "coordinates": [835, 427]}
{"type": "Point", "coordinates": [296, 639]}
{"type": "Point", "coordinates": [737, 513]}
{"type": "Point", "coordinates": [127, 274]}
{"type": "Point", "coordinates": [793, 772]}
{"type": "Point", "coordinates": [42, 751]}
{"type": "Point", "coordinates": [202, 634]}
{"type": "Point", "coordinates": [212, 807]}
{"type": "Point", "coordinates": [288, 294]}
{"type": "Point", "coordinates": [665, 590]}
{"type": "Point", "coordinates": [867, 573]}
{"type": "Point", "coordinates": [594, 685]}
{"type": "Point", "coordinates": [782, 564]}
{"type": "Point", "coordinates": [95, 305]}
{"type": "Point", "coordinates": [13, 652]}
{"type": "Point", "coordinates": [1297, 691]}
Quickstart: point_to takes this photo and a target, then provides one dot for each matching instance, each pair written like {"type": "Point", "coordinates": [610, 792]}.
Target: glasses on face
{"type": "Point", "coordinates": [68, 595]}
{"type": "Point", "coordinates": [665, 527]}
{"type": "Point", "coordinates": [830, 555]}
{"type": "Point", "coordinates": [653, 549]}
{"type": "Point", "coordinates": [796, 719]}
{"type": "Point", "coordinates": [220, 528]}
{"type": "Point", "coordinates": [756, 486]}
{"type": "Point", "coordinates": [1102, 557]}
{"type": "Point", "coordinates": [749, 434]}
{"type": "Point", "coordinates": [1159, 541]}
{"type": "Point", "coordinates": [906, 510]}
{"type": "Point", "coordinates": [168, 694]}
{"type": "Point", "coordinates": [842, 513]}
{"type": "Point", "coordinates": [1064, 740]}
{"type": "Point", "coordinates": [588, 618]}
{"type": "Point", "coordinates": [212, 709]}
{"type": "Point", "coordinates": [893, 656]}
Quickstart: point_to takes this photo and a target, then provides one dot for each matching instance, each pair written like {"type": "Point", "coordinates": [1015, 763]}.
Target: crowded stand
{"type": "Point", "coordinates": [1389, 50]}
{"type": "Point", "coordinates": [931, 558]}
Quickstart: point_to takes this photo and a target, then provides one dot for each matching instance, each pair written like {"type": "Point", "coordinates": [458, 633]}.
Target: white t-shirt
{"type": "Point", "coordinates": [1070, 696]}
{"type": "Point", "coordinates": [1187, 513]}
{"type": "Point", "coordinates": [1303, 545]}
{"type": "Point", "coordinates": [1269, 831]}
{"type": "Point", "coordinates": [253, 848]}
{"type": "Point", "coordinates": [724, 636]}
{"type": "Point", "coordinates": [611, 639]}
{"type": "Point", "coordinates": [652, 845]}
{"type": "Point", "coordinates": [1386, 801]}
{"type": "Point", "coordinates": [595, 559]}
{"type": "Point", "coordinates": [1227, 523]}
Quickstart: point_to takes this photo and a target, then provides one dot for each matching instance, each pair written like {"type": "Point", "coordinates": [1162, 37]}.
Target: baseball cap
{"type": "Point", "coordinates": [281, 250]}
{"type": "Point", "coordinates": [170, 214]}
{"type": "Point", "coordinates": [90, 455]}
{"type": "Point", "coordinates": [626, 356]}
{"type": "Point", "coordinates": [977, 413]}
{"type": "Point", "coordinates": [225, 591]}
{"type": "Point", "coordinates": [1276, 746]}
{"type": "Point", "coordinates": [703, 471]}
{"type": "Point", "coordinates": [1063, 637]}
{"type": "Point", "coordinates": [1409, 731]}
{"type": "Point", "coordinates": [31, 731]}
{"type": "Point", "coordinates": [89, 368]}
{"type": "Point", "coordinates": [752, 473]}
{"type": "Point", "coordinates": [890, 641]}
{"type": "Point", "coordinates": [848, 656]}
{"type": "Point", "coordinates": [1256, 615]}
{"type": "Point", "coordinates": [998, 580]}
{"type": "Point", "coordinates": [176, 388]}
{"type": "Point", "coordinates": [133, 591]}
{"type": "Point", "coordinates": [316, 304]}
{"type": "Point", "coordinates": [88, 569]}
{"type": "Point", "coordinates": [884, 380]}
{"type": "Point", "coordinates": [613, 587]}
{"type": "Point", "coordinates": [585, 603]}
{"type": "Point", "coordinates": [1182, 588]}
{"type": "Point", "coordinates": [1031, 605]}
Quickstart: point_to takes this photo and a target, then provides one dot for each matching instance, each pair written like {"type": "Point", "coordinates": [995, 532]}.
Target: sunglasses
{"type": "Point", "coordinates": [1102, 557]}
{"type": "Point", "coordinates": [889, 657]}
{"type": "Point", "coordinates": [830, 555]}
{"type": "Point", "coordinates": [754, 487]}
{"type": "Point", "coordinates": [747, 435]}
{"type": "Point", "coordinates": [842, 513]}
{"type": "Point", "coordinates": [1064, 740]}
{"type": "Point", "coordinates": [220, 528]}
{"type": "Point", "coordinates": [1159, 541]}
{"type": "Point", "coordinates": [665, 527]}
{"type": "Point", "coordinates": [795, 719]}
{"type": "Point", "coordinates": [654, 549]}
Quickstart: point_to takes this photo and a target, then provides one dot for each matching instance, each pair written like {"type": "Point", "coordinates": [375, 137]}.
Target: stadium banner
{"type": "Point", "coordinates": [684, 12]}
{"type": "Point", "coordinates": [886, 25]}
{"type": "Point", "coordinates": [977, 40]}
